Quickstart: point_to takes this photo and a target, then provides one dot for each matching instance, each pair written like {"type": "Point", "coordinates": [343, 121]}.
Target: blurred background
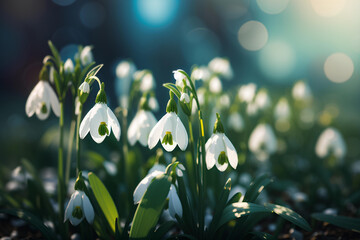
{"type": "Point", "coordinates": [272, 43]}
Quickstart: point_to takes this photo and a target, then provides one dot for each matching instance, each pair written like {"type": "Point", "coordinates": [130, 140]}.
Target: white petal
{"type": "Point", "coordinates": [69, 208]}
{"type": "Point", "coordinates": [170, 126]}
{"type": "Point", "coordinates": [155, 133]}
{"type": "Point", "coordinates": [210, 153]}
{"type": "Point", "coordinates": [181, 135]}
{"type": "Point", "coordinates": [32, 101]}
{"type": "Point", "coordinates": [174, 203]}
{"type": "Point", "coordinates": [157, 167]}
{"type": "Point", "coordinates": [99, 114]}
{"type": "Point", "coordinates": [85, 125]}
{"type": "Point", "coordinates": [132, 131]}
{"type": "Point", "coordinates": [114, 123]}
{"type": "Point", "coordinates": [143, 185]}
{"type": "Point", "coordinates": [77, 202]}
{"type": "Point", "coordinates": [221, 167]}
{"type": "Point", "coordinates": [88, 209]}
{"type": "Point", "coordinates": [55, 105]}
{"type": "Point", "coordinates": [231, 152]}
{"type": "Point", "coordinates": [40, 114]}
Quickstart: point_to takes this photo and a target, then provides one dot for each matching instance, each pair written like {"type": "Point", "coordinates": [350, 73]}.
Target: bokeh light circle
{"type": "Point", "coordinates": [253, 35]}
{"type": "Point", "coordinates": [338, 67]}
{"type": "Point", "coordinates": [156, 12]}
{"type": "Point", "coordinates": [64, 2]}
{"type": "Point", "coordinates": [277, 60]}
{"type": "Point", "coordinates": [272, 6]}
{"type": "Point", "coordinates": [328, 8]}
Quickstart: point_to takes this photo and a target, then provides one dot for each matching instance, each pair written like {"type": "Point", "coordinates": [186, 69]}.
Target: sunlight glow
{"type": "Point", "coordinates": [253, 35]}
{"type": "Point", "coordinates": [338, 67]}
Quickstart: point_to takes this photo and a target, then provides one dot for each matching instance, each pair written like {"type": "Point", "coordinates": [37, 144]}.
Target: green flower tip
{"type": "Point", "coordinates": [143, 104]}
{"type": "Point", "coordinates": [101, 96]}
{"type": "Point", "coordinates": [171, 106]}
{"type": "Point", "coordinates": [43, 108]}
{"type": "Point", "coordinates": [77, 212]}
{"type": "Point", "coordinates": [44, 74]}
{"type": "Point", "coordinates": [168, 139]}
{"type": "Point", "coordinates": [80, 183]}
{"type": "Point", "coordinates": [222, 159]}
{"type": "Point", "coordinates": [218, 126]}
{"type": "Point", "coordinates": [103, 129]}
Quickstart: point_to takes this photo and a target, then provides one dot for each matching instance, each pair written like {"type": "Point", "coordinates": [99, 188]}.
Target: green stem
{"type": "Point", "coordinates": [77, 147]}
{"type": "Point", "coordinates": [69, 150]}
{"type": "Point", "coordinates": [202, 175]}
{"type": "Point", "coordinates": [61, 185]}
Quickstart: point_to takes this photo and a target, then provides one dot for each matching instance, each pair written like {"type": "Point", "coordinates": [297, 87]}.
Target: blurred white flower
{"type": "Point", "coordinates": [147, 82]}
{"type": "Point", "coordinates": [124, 75]}
{"type": "Point", "coordinates": [185, 97]}
{"type": "Point", "coordinates": [262, 100]}
{"type": "Point", "coordinates": [110, 167]}
{"type": "Point", "coordinates": [140, 127]}
{"type": "Point", "coordinates": [78, 208]}
{"type": "Point", "coordinates": [224, 101]}
{"type": "Point", "coordinates": [246, 92]}
{"type": "Point", "coordinates": [125, 70]}
{"type": "Point", "coordinates": [215, 85]}
{"type": "Point", "coordinates": [84, 87]}
{"type": "Point", "coordinates": [252, 109]}
{"type": "Point", "coordinates": [282, 109]}
{"type": "Point", "coordinates": [262, 142]}
{"type": "Point", "coordinates": [86, 56]}
{"type": "Point", "coordinates": [302, 91]}
{"type": "Point", "coordinates": [331, 143]}
{"type": "Point", "coordinates": [170, 131]}
{"type": "Point", "coordinates": [153, 104]}
{"type": "Point", "coordinates": [179, 77]}
{"type": "Point", "coordinates": [69, 66]}
{"type": "Point", "coordinates": [51, 74]}
{"type": "Point", "coordinates": [219, 150]}
{"type": "Point", "coordinates": [40, 100]}
{"type": "Point", "coordinates": [222, 67]}
{"type": "Point", "coordinates": [201, 73]}
{"type": "Point", "coordinates": [235, 121]}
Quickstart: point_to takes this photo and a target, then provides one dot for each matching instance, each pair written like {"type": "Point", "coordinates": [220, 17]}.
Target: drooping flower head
{"type": "Point", "coordinates": [170, 131]}
{"type": "Point", "coordinates": [282, 109]}
{"type": "Point", "coordinates": [100, 120]}
{"type": "Point", "coordinates": [262, 99]}
{"type": "Point", "coordinates": [235, 121]}
{"type": "Point", "coordinates": [219, 150]}
{"type": "Point", "coordinates": [86, 56]}
{"type": "Point", "coordinates": [302, 92]}
{"type": "Point", "coordinates": [79, 206]}
{"type": "Point", "coordinates": [247, 92]}
{"type": "Point", "coordinates": [215, 85]}
{"type": "Point", "coordinates": [222, 67]}
{"type": "Point", "coordinates": [142, 124]}
{"type": "Point", "coordinates": [262, 142]}
{"type": "Point", "coordinates": [69, 66]}
{"type": "Point", "coordinates": [42, 98]}
{"type": "Point", "coordinates": [180, 77]}
{"type": "Point", "coordinates": [124, 76]}
{"type": "Point", "coordinates": [145, 79]}
{"type": "Point", "coordinates": [331, 144]}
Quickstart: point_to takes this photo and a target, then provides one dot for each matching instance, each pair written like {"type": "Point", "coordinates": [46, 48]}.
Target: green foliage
{"type": "Point", "coordinates": [256, 188]}
{"type": "Point", "coordinates": [340, 221]}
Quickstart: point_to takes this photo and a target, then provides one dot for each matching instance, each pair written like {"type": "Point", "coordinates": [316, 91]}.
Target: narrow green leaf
{"type": "Point", "coordinates": [117, 229]}
{"type": "Point", "coordinates": [340, 221]}
{"type": "Point", "coordinates": [256, 187]}
{"type": "Point", "coordinates": [235, 198]}
{"type": "Point", "coordinates": [55, 53]}
{"type": "Point", "coordinates": [173, 88]}
{"type": "Point", "coordinates": [162, 230]}
{"type": "Point", "coordinates": [150, 207]}
{"type": "Point", "coordinates": [238, 210]}
{"type": "Point", "coordinates": [263, 235]}
{"type": "Point", "coordinates": [104, 200]}
{"type": "Point", "coordinates": [94, 70]}
{"type": "Point", "coordinates": [33, 220]}
{"type": "Point", "coordinates": [289, 215]}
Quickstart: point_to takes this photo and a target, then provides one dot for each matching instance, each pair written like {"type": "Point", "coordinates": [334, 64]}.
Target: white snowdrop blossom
{"type": "Point", "coordinates": [100, 120]}
{"type": "Point", "coordinates": [330, 143]}
{"type": "Point", "coordinates": [153, 104]}
{"type": "Point", "coordinates": [124, 75]}
{"type": "Point", "coordinates": [252, 109]}
{"type": "Point", "coordinates": [170, 131]}
{"type": "Point", "coordinates": [219, 150]}
{"type": "Point", "coordinates": [282, 109]}
{"type": "Point", "coordinates": [78, 208]}
{"type": "Point", "coordinates": [69, 66]}
{"type": "Point", "coordinates": [41, 98]}
{"type": "Point", "coordinates": [140, 127]}
{"type": "Point", "coordinates": [247, 92]}
{"type": "Point", "coordinates": [175, 206]}
{"type": "Point", "coordinates": [224, 101]}
{"type": "Point", "coordinates": [215, 85]}
{"type": "Point", "coordinates": [262, 100]}
{"type": "Point", "coordinates": [147, 81]}
{"type": "Point", "coordinates": [185, 97]}
{"type": "Point", "coordinates": [86, 56]}
{"type": "Point", "coordinates": [262, 142]}
{"type": "Point", "coordinates": [302, 91]}
{"type": "Point", "coordinates": [201, 73]}
{"type": "Point", "coordinates": [84, 87]}
{"type": "Point", "coordinates": [235, 121]}
{"type": "Point", "coordinates": [222, 67]}
{"type": "Point", "coordinates": [125, 69]}
{"type": "Point", "coordinates": [179, 77]}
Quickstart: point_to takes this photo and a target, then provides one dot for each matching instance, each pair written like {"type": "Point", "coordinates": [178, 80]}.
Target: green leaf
{"type": "Point", "coordinates": [104, 200]}
{"type": "Point", "coordinates": [173, 88]}
{"type": "Point", "coordinates": [289, 215]}
{"type": "Point", "coordinates": [55, 53]}
{"type": "Point", "coordinates": [340, 221]}
{"type": "Point", "coordinates": [162, 230]}
{"type": "Point", "coordinates": [150, 207]}
{"type": "Point", "coordinates": [235, 198]}
{"type": "Point", "coordinates": [94, 70]}
{"type": "Point", "coordinates": [256, 187]}
{"type": "Point", "coordinates": [263, 235]}
{"type": "Point", "coordinates": [238, 210]}
{"type": "Point", "coordinates": [33, 220]}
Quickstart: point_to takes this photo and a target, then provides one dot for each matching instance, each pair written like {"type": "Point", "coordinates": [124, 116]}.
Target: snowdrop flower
{"type": "Point", "coordinates": [282, 109]}
{"type": "Point", "coordinates": [69, 66]}
{"type": "Point", "coordinates": [262, 100]}
{"type": "Point", "coordinates": [179, 77]}
{"type": "Point", "coordinates": [185, 97]}
{"type": "Point", "coordinates": [201, 73]}
{"type": "Point", "coordinates": [41, 98]}
{"type": "Point", "coordinates": [331, 143]}
{"type": "Point", "coordinates": [78, 208]}
{"type": "Point", "coordinates": [224, 101]}
{"type": "Point", "coordinates": [215, 85]}
{"type": "Point", "coordinates": [141, 125]}
{"type": "Point", "coordinates": [247, 92]}
{"type": "Point", "coordinates": [222, 67]}
{"type": "Point", "coordinates": [169, 130]}
{"type": "Point", "coordinates": [252, 109]}
{"type": "Point", "coordinates": [262, 142]}
{"type": "Point", "coordinates": [235, 121]}
{"type": "Point", "coordinates": [153, 104]}
{"type": "Point", "coordinates": [175, 206]}
{"type": "Point", "coordinates": [100, 120]}
{"type": "Point", "coordinates": [125, 69]}
{"type": "Point", "coordinates": [146, 79]}
{"type": "Point", "coordinates": [302, 92]}
{"type": "Point", "coordinates": [84, 87]}
{"type": "Point", "coordinates": [86, 56]}
{"type": "Point", "coordinates": [219, 150]}
{"type": "Point", "coordinates": [124, 73]}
